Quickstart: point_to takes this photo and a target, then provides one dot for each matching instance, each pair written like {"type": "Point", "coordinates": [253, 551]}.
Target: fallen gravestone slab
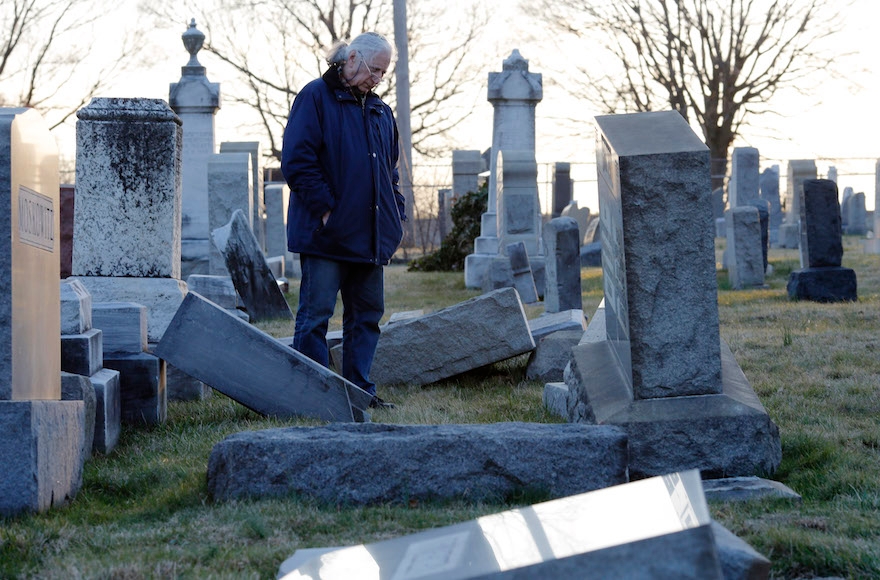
{"type": "Point", "coordinates": [246, 364]}
{"type": "Point", "coordinates": [550, 322]}
{"type": "Point", "coordinates": [251, 275]}
{"type": "Point", "coordinates": [654, 528]}
{"type": "Point", "coordinates": [417, 462]}
{"type": "Point", "coordinates": [547, 362]}
{"type": "Point", "coordinates": [474, 333]}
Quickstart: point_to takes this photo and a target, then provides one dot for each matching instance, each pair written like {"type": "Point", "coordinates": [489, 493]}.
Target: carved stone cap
{"type": "Point", "coordinates": [515, 62]}
{"type": "Point", "coordinates": [127, 109]}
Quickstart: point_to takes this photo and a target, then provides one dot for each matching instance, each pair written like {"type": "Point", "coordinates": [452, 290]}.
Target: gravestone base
{"type": "Point", "coordinates": [42, 454]}
{"type": "Point", "coordinates": [789, 235]}
{"type": "Point", "coordinates": [823, 285]}
{"type": "Point", "coordinates": [476, 268]}
{"type": "Point", "coordinates": [108, 410]}
{"type": "Point", "coordinates": [161, 296]}
{"type": "Point", "coordinates": [143, 395]}
{"type": "Point", "coordinates": [723, 435]}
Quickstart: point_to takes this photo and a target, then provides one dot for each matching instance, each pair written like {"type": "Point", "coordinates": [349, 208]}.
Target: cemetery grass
{"type": "Point", "coordinates": [144, 510]}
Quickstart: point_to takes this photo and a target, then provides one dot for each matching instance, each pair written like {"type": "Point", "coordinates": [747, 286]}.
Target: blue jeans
{"type": "Point", "coordinates": [363, 303]}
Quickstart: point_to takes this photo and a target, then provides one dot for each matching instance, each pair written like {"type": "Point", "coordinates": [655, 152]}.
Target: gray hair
{"type": "Point", "coordinates": [368, 44]}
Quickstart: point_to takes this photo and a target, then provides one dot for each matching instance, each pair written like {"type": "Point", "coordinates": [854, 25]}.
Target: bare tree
{"type": "Point", "coordinates": [716, 62]}
{"type": "Point", "coordinates": [276, 46]}
{"type": "Point", "coordinates": [45, 50]}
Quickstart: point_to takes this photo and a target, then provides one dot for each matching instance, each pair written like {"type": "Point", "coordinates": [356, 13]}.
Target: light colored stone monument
{"type": "Point", "coordinates": [277, 195]}
{"type": "Point", "coordinates": [744, 248]}
{"type": "Point", "coordinates": [872, 245]}
{"type": "Point", "coordinates": [42, 438]}
{"type": "Point", "coordinates": [514, 93]}
{"type": "Point", "coordinates": [258, 222]}
{"type": "Point", "coordinates": [229, 189]}
{"type": "Point", "coordinates": [127, 219]}
{"type": "Point", "coordinates": [196, 101]}
{"type": "Point", "coordinates": [654, 362]}
{"type": "Point", "coordinates": [799, 170]}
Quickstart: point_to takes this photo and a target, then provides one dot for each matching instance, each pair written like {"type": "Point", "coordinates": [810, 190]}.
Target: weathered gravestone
{"type": "Point", "coordinates": [799, 170]}
{"type": "Point", "coordinates": [127, 224]}
{"type": "Point", "coordinates": [417, 462]}
{"type": "Point", "coordinates": [258, 192]}
{"type": "Point", "coordinates": [769, 184]}
{"type": "Point", "coordinates": [229, 189]}
{"type": "Point", "coordinates": [743, 184]}
{"type": "Point", "coordinates": [474, 333]}
{"type": "Point", "coordinates": [660, 369]}
{"type": "Point", "coordinates": [821, 277]}
{"type": "Point", "coordinates": [41, 436]}
{"type": "Point", "coordinates": [250, 273]}
{"type": "Point", "coordinates": [581, 215]}
{"type": "Point", "coordinates": [519, 210]}
{"type": "Point", "coordinates": [856, 216]}
{"type": "Point", "coordinates": [561, 187]}
{"type": "Point", "coordinates": [276, 197]}
{"type": "Point", "coordinates": [655, 528]}
{"type": "Point", "coordinates": [562, 270]}
{"type": "Point", "coordinates": [745, 251]}
{"type": "Point", "coordinates": [196, 101]}
{"type": "Point", "coordinates": [249, 366]}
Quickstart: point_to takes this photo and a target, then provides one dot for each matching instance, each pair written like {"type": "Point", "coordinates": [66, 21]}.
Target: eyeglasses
{"type": "Point", "coordinates": [376, 77]}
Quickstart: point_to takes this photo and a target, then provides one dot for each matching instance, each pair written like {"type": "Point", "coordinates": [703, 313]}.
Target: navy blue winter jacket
{"type": "Point", "coordinates": [340, 155]}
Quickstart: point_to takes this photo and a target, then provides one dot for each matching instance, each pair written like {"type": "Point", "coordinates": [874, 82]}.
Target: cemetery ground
{"type": "Point", "coordinates": [144, 510]}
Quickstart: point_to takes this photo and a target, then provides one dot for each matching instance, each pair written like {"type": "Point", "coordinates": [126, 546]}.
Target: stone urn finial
{"type": "Point", "coordinates": [193, 39]}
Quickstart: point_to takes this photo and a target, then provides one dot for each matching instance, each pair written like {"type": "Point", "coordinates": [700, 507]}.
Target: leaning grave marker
{"type": "Point", "coordinates": [660, 368]}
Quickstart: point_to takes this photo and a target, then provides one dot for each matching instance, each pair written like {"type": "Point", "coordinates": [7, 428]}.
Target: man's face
{"type": "Point", "coordinates": [364, 73]}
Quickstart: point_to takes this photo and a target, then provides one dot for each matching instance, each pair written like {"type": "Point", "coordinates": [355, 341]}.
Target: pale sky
{"type": "Point", "coordinates": [844, 125]}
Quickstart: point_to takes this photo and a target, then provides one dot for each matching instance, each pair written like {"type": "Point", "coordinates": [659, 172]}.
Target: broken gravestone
{"type": "Point", "coordinates": [251, 367]}
{"type": "Point", "coordinates": [249, 271]}
{"type": "Point", "coordinates": [474, 333]}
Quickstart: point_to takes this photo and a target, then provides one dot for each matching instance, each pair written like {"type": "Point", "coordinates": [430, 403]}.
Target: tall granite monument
{"type": "Point", "coordinates": [652, 360]}
{"type": "Point", "coordinates": [42, 438]}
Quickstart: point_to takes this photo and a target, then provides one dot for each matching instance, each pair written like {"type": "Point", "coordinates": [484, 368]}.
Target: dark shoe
{"type": "Point", "coordinates": [378, 403]}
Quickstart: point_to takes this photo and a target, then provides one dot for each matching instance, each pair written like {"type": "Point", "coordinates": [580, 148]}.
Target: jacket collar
{"type": "Point", "coordinates": [331, 77]}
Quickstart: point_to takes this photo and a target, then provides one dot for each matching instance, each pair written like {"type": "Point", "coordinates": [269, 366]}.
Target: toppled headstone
{"type": "Point", "coordinates": [250, 273]}
{"type": "Point", "coordinates": [417, 462]}
{"type": "Point", "coordinates": [655, 528]}
{"type": "Point", "coordinates": [474, 333]}
{"type": "Point", "coordinates": [253, 368]}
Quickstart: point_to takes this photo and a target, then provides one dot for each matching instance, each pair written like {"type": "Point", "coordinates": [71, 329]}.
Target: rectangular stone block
{"type": "Point", "coordinates": [82, 354]}
{"type": "Point", "coordinates": [29, 258]}
{"type": "Point", "coordinates": [276, 195]}
{"type": "Point", "coordinates": [474, 333]}
{"type": "Point", "coordinates": [562, 246]}
{"type": "Point", "coordinates": [658, 254]}
{"type": "Point", "coordinates": [218, 289]}
{"type": "Point", "coordinates": [161, 296]}
{"type": "Point", "coordinates": [417, 462]}
{"type": "Point", "coordinates": [742, 186]}
{"type": "Point", "coordinates": [823, 285]}
{"type": "Point", "coordinates": [550, 322]}
{"type": "Point", "coordinates": [249, 271]}
{"type": "Point", "coordinates": [821, 230]}
{"type": "Point", "coordinates": [655, 528]}
{"type": "Point", "coordinates": [229, 189]}
{"type": "Point", "coordinates": [745, 248]}
{"type": "Point", "coordinates": [108, 410]}
{"type": "Point", "coordinates": [76, 307]}
{"type": "Point", "coordinates": [143, 398]}
{"type": "Point", "coordinates": [124, 325]}
{"type": "Point", "coordinates": [41, 452]}
{"type": "Point", "coordinates": [79, 388]}
{"type": "Point", "coordinates": [253, 368]}
{"type": "Point", "coordinates": [127, 218]}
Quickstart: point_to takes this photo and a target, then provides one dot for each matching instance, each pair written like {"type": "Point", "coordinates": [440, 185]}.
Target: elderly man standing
{"type": "Point", "coordinates": [345, 215]}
